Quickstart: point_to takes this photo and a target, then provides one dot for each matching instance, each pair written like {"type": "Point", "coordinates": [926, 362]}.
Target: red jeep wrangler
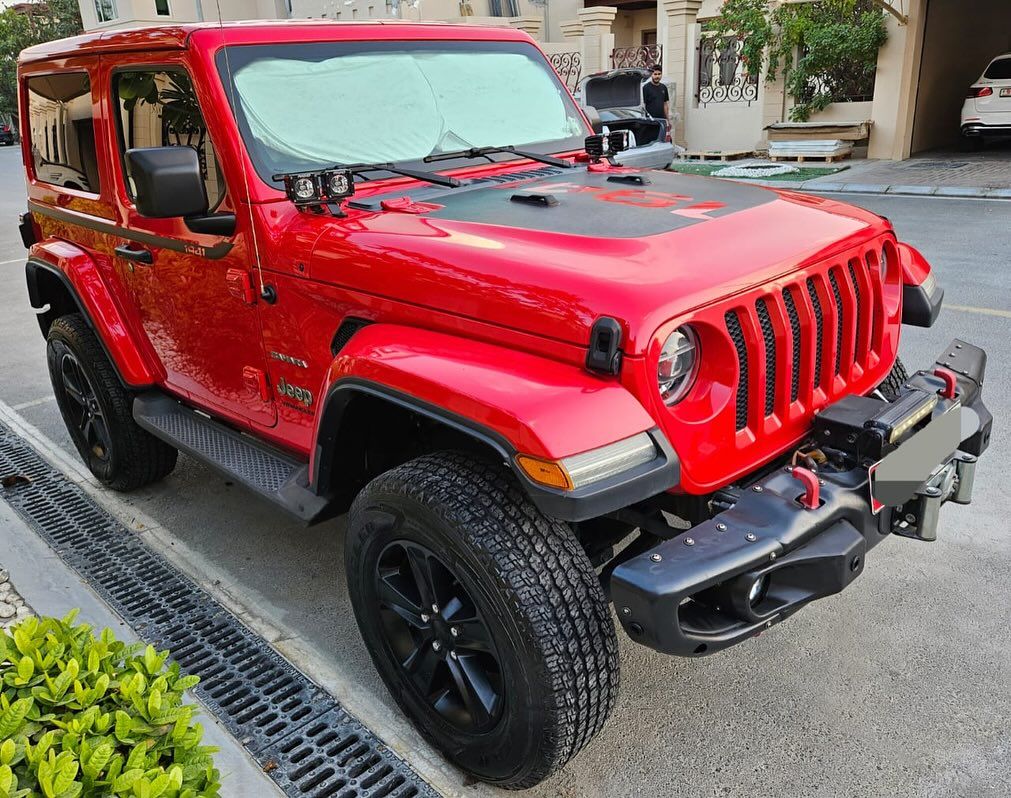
{"type": "Point", "coordinates": [390, 270]}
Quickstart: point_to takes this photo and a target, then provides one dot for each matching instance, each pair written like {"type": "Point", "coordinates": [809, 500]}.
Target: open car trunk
{"type": "Point", "coordinates": [646, 131]}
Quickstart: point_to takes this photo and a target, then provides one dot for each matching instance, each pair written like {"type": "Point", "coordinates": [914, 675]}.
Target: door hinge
{"type": "Point", "coordinates": [240, 285]}
{"type": "Point", "coordinates": [256, 381]}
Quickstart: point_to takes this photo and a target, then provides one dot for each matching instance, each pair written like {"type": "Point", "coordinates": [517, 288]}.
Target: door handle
{"type": "Point", "coordinates": [136, 255]}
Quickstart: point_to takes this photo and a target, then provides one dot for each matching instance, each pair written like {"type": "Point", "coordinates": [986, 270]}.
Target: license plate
{"type": "Point", "coordinates": [895, 478]}
{"type": "Point", "coordinates": [1005, 92]}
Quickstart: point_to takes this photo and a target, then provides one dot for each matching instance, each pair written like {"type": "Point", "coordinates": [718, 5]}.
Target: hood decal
{"type": "Point", "coordinates": [590, 205]}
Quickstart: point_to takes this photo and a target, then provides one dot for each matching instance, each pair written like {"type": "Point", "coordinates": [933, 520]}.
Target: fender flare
{"type": "Point", "coordinates": [78, 274]}
{"type": "Point", "coordinates": [512, 402]}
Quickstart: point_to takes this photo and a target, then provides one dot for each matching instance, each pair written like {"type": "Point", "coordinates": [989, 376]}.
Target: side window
{"type": "Point", "coordinates": [62, 131]}
{"type": "Point", "coordinates": [158, 108]}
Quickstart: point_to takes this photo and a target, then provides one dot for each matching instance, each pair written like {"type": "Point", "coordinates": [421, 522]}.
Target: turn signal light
{"type": "Point", "coordinates": [980, 91]}
{"type": "Point", "coordinates": [544, 472]}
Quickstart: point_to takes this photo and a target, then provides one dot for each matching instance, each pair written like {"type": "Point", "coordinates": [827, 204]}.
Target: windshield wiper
{"type": "Point", "coordinates": [429, 177]}
{"type": "Point", "coordinates": [485, 152]}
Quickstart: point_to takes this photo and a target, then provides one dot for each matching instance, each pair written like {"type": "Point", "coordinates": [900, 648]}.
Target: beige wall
{"type": "Point", "coordinates": [629, 26]}
{"type": "Point", "coordinates": [134, 13]}
{"type": "Point", "coordinates": [442, 10]}
{"type": "Point", "coordinates": [958, 43]}
{"type": "Point", "coordinates": [840, 113]}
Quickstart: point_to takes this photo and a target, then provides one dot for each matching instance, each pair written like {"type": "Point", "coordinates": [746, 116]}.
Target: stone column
{"type": "Point", "coordinates": [572, 29]}
{"type": "Point", "coordinates": [679, 58]}
{"type": "Point", "coordinates": [598, 41]}
{"type": "Point", "coordinates": [531, 24]}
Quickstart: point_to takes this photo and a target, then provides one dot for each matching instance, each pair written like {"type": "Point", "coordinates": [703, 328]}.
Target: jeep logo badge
{"type": "Point", "coordinates": [298, 394]}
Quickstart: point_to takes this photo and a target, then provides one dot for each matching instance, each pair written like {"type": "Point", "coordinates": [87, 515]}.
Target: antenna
{"type": "Point", "coordinates": [265, 292]}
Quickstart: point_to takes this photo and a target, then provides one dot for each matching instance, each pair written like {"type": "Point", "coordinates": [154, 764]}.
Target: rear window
{"type": "Point", "coordinates": [999, 70]}
{"type": "Point", "coordinates": [62, 129]}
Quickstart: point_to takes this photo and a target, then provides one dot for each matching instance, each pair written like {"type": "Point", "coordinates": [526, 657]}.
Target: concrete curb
{"type": "Point", "coordinates": [829, 187]}
{"type": "Point", "coordinates": [52, 588]}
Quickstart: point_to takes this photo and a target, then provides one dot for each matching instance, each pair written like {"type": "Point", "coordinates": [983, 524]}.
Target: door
{"type": "Point", "coordinates": [194, 293]}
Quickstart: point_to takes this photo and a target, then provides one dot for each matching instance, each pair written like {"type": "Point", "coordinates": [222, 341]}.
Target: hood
{"type": "Point", "coordinates": [549, 251]}
{"type": "Point", "coordinates": [620, 88]}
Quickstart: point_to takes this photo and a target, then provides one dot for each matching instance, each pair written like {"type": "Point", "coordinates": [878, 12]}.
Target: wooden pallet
{"type": "Point", "coordinates": [725, 155]}
{"type": "Point", "coordinates": [810, 158]}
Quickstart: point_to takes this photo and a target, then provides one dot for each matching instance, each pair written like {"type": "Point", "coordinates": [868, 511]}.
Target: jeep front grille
{"type": "Point", "coordinates": [774, 335]}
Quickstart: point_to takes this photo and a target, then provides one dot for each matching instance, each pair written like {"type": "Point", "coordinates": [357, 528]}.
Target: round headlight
{"type": "Point", "coordinates": [678, 362]}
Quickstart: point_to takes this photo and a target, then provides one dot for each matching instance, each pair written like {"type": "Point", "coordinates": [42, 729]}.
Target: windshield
{"type": "Point", "coordinates": [999, 69]}
{"type": "Point", "coordinates": [309, 106]}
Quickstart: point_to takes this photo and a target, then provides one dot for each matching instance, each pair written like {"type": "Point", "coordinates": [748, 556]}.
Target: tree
{"type": "Point", "coordinates": [32, 23]}
{"type": "Point", "coordinates": [827, 50]}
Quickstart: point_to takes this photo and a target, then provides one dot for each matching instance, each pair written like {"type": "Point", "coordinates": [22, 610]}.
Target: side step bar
{"type": "Point", "coordinates": [275, 476]}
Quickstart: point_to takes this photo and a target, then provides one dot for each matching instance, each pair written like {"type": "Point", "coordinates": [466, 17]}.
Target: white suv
{"type": "Point", "coordinates": [987, 109]}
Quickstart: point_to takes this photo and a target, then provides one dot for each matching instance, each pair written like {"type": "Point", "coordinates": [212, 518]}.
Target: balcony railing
{"type": "Point", "coordinates": [644, 56]}
{"type": "Point", "coordinates": [569, 67]}
{"type": "Point", "coordinates": [723, 75]}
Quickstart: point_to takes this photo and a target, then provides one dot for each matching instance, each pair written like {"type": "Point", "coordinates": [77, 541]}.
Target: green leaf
{"type": "Point", "coordinates": [98, 760]}
{"type": "Point", "coordinates": [7, 751]}
{"type": "Point", "coordinates": [122, 726]}
{"type": "Point", "coordinates": [125, 782]}
{"type": "Point", "coordinates": [186, 683]}
{"type": "Point", "coordinates": [154, 702]}
{"type": "Point", "coordinates": [13, 717]}
{"type": "Point", "coordinates": [26, 669]}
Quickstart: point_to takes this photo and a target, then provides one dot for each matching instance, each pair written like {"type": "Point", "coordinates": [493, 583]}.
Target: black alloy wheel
{"type": "Point", "coordinates": [434, 629]}
{"type": "Point", "coordinates": [98, 409]}
{"type": "Point", "coordinates": [483, 616]}
{"type": "Point", "coordinates": [85, 417]}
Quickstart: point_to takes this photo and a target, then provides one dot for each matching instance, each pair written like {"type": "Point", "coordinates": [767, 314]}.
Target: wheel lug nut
{"type": "Point", "coordinates": [425, 617]}
{"type": "Point", "coordinates": [454, 631]}
{"type": "Point", "coordinates": [452, 655]}
{"type": "Point", "coordinates": [436, 645]}
{"type": "Point", "coordinates": [435, 608]}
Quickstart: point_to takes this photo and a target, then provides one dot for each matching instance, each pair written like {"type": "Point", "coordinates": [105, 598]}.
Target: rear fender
{"type": "Point", "coordinates": [513, 402]}
{"type": "Point", "coordinates": [922, 295]}
{"type": "Point", "coordinates": [64, 278]}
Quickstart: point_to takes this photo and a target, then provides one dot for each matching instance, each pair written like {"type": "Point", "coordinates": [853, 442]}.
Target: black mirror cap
{"type": "Point", "coordinates": [167, 182]}
{"type": "Point", "coordinates": [593, 115]}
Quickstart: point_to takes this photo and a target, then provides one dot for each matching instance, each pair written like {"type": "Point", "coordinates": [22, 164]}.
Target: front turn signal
{"type": "Point", "coordinates": [544, 472]}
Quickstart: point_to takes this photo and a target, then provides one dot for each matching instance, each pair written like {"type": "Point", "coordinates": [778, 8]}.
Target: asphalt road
{"type": "Point", "coordinates": [901, 686]}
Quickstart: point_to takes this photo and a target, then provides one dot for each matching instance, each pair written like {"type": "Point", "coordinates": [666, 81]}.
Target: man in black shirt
{"type": "Point", "coordinates": [655, 96]}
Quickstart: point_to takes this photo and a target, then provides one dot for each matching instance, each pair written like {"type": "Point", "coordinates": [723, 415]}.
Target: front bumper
{"type": "Point", "coordinates": [691, 595]}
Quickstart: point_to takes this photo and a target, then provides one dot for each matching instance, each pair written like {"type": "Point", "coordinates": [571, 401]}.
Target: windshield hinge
{"type": "Point", "coordinates": [605, 346]}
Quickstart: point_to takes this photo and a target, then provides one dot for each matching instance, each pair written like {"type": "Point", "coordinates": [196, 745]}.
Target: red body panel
{"type": "Point", "coordinates": [489, 321]}
{"type": "Point", "coordinates": [542, 407]}
{"type": "Point", "coordinates": [135, 365]}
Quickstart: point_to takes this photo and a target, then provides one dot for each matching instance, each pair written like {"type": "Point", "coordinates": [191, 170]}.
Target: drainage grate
{"type": "Point", "coordinates": [299, 733]}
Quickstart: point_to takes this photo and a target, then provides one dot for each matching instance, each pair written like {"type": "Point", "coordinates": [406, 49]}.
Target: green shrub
{"type": "Point", "coordinates": [87, 716]}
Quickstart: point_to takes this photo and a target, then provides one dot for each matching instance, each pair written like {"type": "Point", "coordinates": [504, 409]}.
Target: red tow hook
{"type": "Point", "coordinates": [811, 499]}
{"type": "Point", "coordinates": [950, 383]}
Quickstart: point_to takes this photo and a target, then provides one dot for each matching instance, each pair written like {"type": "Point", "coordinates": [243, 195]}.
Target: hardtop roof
{"type": "Point", "coordinates": [180, 37]}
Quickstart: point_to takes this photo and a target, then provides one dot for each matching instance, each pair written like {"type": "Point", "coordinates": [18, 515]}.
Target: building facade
{"type": "Point", "coordinates": [935, 50]}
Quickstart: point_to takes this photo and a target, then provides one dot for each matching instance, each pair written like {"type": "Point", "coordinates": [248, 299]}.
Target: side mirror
{"type": "Point", "coordinates": [167, 182]}
{"type": "Point", "coordinates": [594, 116]}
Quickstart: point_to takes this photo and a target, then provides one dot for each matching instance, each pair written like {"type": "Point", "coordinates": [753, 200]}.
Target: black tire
{"type": "Point", "coordinates": [893, 383]}
{"type": "Point", "coordinates": [528, 587]}
{"type": "Point", "coordinates": [118, 452]}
